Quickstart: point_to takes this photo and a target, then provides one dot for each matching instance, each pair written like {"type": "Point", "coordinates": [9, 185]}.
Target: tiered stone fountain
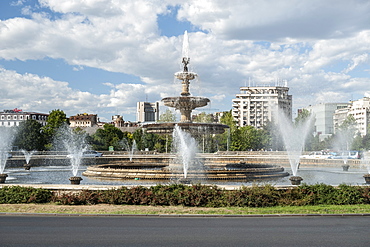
{"type": "Point", "coordinates": [185, 166]}
{"type": "Point", "coordinates": [186, 104]}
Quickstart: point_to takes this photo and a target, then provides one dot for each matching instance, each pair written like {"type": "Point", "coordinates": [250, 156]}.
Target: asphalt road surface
{"type": "Point", "coordinates": [25, 230]}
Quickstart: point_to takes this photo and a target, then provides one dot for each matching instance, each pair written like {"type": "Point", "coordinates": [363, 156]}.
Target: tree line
{"type": "Point", "coordinates": [31, 135]}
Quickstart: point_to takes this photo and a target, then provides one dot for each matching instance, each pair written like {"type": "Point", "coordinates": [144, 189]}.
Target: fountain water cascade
{"type": "Point", "coordinates": [185, 166]}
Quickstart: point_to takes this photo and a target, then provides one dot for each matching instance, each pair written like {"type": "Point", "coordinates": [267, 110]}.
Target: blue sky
{"type": "Point", "coordinates": [102, 56]}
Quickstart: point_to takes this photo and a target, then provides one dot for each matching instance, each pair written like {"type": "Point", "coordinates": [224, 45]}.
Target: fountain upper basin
{"type": "Point", "coordinates": [185, 102]}
{"type": "Point", "coordinates": [185, 75]}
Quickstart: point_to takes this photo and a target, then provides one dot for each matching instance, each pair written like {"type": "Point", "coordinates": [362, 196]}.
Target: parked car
{"type": "Point", "coordinates": [92, 153]}
{"type": "Point", "coordinates": [316, 155]}
{"type": "Point", "coordinates": [88, 153]}
{"type": "Point", "coordinates": [346, 155]}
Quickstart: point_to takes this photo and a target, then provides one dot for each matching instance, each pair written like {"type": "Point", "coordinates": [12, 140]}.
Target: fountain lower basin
{"type": "Point", "coordinates": [150, 171]}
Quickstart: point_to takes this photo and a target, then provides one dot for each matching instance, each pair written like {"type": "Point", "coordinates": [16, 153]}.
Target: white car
{"type": "Point", "coordinates": [92, 153]}
{"type": "Point", "coordinates": [316, 155]}
{"type": "Point", "coordinates": [89, 153]}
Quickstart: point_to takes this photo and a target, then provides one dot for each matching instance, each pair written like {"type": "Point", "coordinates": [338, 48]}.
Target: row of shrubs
{"type": "Point", "coordinates": [196, 196]}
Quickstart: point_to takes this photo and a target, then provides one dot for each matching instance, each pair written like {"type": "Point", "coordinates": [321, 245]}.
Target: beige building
{"type": "Point", "coordinates": [360, 110]}
{"type": "Point", "coordinates": [257, 105]}
{"type": "Point", "coordinates": [147, 112]}
{"type": "Point", "coordinates": [10, 118]}
{"type": "Point", "coordinates": [83, 120]}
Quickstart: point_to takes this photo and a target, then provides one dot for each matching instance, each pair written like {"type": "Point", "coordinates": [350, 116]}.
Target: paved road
{"type": "Point", "coordinates": [184, 231]}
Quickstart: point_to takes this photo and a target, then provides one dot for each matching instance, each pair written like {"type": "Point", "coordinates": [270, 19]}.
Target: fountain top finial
{"type": "Point", "coordinates": [185, 52]}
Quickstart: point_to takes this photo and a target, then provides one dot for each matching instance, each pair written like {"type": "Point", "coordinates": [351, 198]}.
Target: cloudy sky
{"type": "Point", "coordinates": [103, 56]}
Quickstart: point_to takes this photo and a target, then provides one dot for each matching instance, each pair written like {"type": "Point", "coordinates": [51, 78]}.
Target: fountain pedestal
{"type": "Point", "coordinates": [367, 178]}
{"type": "Point", "coordinates": [75, 180]}
{"type": "Point", "coordinates": [27, 166]}
{"type": "Point", "coordinates": [295, 180]}
{"type": "Point", "coordinates": [345, 167]}
{"type": "Point", "coordinates": [184, 181]}
{"type": "Point", "coordinates": [3, 177]}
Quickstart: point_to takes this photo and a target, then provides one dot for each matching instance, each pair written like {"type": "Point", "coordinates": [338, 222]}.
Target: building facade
{"type": "Point", "coordinates": [11, 118]}
{"type": "Point", "coordinates": [360, 110]}
{"type": "Point", "coordinates": [324, 117]}
{"type": "Point", "coordinates": [147, 112]}
{"type": "Point", "coordinates": [257, 105]}
{"type": "Point", "coordinates": [83, 120]}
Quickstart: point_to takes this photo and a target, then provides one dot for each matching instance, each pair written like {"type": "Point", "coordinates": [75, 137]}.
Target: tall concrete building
{"type": "Point", "coordinates": [257, 105]}
{"type": "Point", "coordinates": [147, 112]}
{"type": "Point", "coordinates": [324, 121]}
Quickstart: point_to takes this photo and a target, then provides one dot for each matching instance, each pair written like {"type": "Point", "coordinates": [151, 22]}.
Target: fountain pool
{"type": "Point", "coordinates": [59, 174]}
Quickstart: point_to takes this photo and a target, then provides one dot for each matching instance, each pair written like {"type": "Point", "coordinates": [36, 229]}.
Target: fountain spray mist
{"type": "Point", "coordinates": [185, 147]}
{"type": "Point", "coordinates": [27, 155]}
{"type": "Point", "coordinates": [130, 150]}
{"type": "Point", "coordinates": [294, 137]}
{"type": "Point", "coordinates": [7, 136]}
{"type": "Point", "coordinates": [75, 145]}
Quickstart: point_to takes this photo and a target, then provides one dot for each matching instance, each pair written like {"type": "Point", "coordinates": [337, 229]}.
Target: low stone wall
{"type": "Point", "coordinates": [209, 159]}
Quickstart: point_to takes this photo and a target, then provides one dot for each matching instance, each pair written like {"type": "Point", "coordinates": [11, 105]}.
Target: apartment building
{"type": "Point", "coordinates": [257, 105]}
{"type": "Point", "coordinates": [10, 118]}
{"type": "Point", "coordinates": [360, 110]}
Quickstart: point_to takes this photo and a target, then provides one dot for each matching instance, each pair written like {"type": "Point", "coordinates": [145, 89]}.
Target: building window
{"type": "Point", "coordinates": [14, 117]}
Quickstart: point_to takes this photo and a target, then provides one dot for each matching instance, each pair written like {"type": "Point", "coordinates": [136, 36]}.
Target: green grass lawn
{"type": "Point", "coordinates": [156, 210]}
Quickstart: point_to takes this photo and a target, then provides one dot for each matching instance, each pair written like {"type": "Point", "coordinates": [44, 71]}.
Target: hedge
{"type": "Point", "coordinates": [196, 195]}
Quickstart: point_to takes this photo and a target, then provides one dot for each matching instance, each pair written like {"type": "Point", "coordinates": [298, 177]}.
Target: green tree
{"type": "Point", "coordinates": [145, 140]}
{"type": "Point", "coordinates": [56, 119]}
{"type": "Point", "coordinates": [30, 136]}
{"type": "Point", "coordinates": [109, 135]}
{"type": "Point", "coordinates": [204, 118]}
{"type": "Point", "coordinates": [228, 119]}
{"type": "Point", "coordinates": [168, 117]}
{"type": "Point", "coordinates": [223, 141]}
{"type": "Point", "coordinates": [246, 138]}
